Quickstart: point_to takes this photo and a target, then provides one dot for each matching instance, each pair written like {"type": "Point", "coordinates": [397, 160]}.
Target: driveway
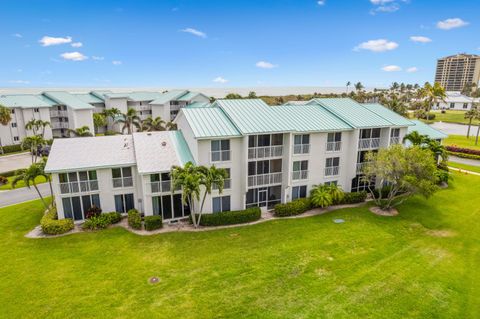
{"type": "Point", "coordinates": [465, 161]}
{"type": "Point", "coordinates": [23, 194]}
{"type": "Point", "coordinates": [14, 162]}
{"type": "Point", "coordinates": [453, 129]}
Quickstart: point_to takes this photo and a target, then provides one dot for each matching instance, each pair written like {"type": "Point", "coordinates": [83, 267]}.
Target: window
{"type": "Point", "coordinates": [227, 184]}
{"type": "Point", "coordinates": [452, 105]}
{"type": "Point", "coordinates": [334, 141]}
{"type": "Point", "coordinates": [334, 137]}
{"type": "Point", "coordinates": [264, 167]}
{"type": "Point", "coordinates": [160, 183]}
{"type": "Point", "coordinates": [438, 104]}
{"type": "Point", "coordinates": [76, 207]}
{"type": "Point", "coordinates": [122, 177]}
{"type": "Point", "coordinates": [299, 192]}
{"type": "Point", "coordinates": [36, 110]}
{"type": "Point", "coordinates": [300, 170]}
{"type": "Point", "coordinates": [16, 138]}
{"type": "Point", "coordinates": [370, 133]}
{"type": "Point", "coordinates": [220, 150]}
{"type": "Point", "coordinates": [75, 182]}
{"type": "Point", "coordinates": [263, 196]}
{"type": "Point", "coordinates": [169, 206]}
{"type": "Point", "coordinates": [124, 202]}
{"type": "Point", "coordinates": [331, 183]}
{"type": "Point", "coordinates": [465, 105]}
{"type": "Point", "coordinates": [301, 144]}
{"type": "Point", "coordinates": [14, 124]}
{"type": "Point", "coordinates": [332, 166]}
{"type": "Point", "coordinates": [221, 204]}
{"type": "Point", "coordinates": [13, 111]}
{"type": "Point", "coordinates": [395, 132]}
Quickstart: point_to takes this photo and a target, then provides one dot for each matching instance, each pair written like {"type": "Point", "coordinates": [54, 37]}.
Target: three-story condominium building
{"type": "Point", "coordinates": [273, 154]}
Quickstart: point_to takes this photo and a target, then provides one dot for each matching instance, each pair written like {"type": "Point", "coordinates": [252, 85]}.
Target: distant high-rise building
{"type": "Point", "coordinates": [456, 71]}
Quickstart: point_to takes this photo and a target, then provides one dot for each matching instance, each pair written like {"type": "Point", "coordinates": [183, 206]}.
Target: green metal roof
{"type": "Point", "coordinates": [209, 122]}
{"type": "Point", "coordinates": [181, 146]}
{"type": "Point", "coordinates": [168, 96]}
{"type": "Point", "coordinates": [425, 129]}
{"type": "Point", "coordinates": [68, 99]}
{"type": "Point", "coordinates": [24, 101]}
{"type": "Point", "coordinates": [389, 115]}
{"type": "Point", "coordinates": [191, 95]}
{"type": "Point", "coordinates": [195, 105]}
{"type": "Point", "coordinates": [352, 112]}
{"type": "Point", "coordinates": [89, 98]}
{"type": "Point", "coordinates": [144, 96]}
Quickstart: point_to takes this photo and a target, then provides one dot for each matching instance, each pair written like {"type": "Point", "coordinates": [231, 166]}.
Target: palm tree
{"type": "Point", "coordinates": [28, 176]}
{"type": "Point", "coordinates": [99, 120]}
{"type": "Point", "coordinates": [5, 118]}
{"type": "Point", "coordinates": [171, 126]}
{"type": "Point", "coordinates": [32, 143]}
{"type": "Point", "coordinates": [192, 179]}
{"type": "Point", "coordinates": [477, 117]}
{"type": "Point", "coordinates": [347, 85]}
{"type": "Point", "coordinates": [396, 105]}
{"type": "Point", "coordinates": [416, 138]}
{"type": "Point", "coordinates": [358, 86]}
{"type": "Point", "coordinates": [155, 124]}
{"type": "Point", "coordinates": [43, 125]}
{"type": "Point", "coordinates": [83, 131]}
{"type": "Point", "coordinates": [320, 196]}
{"type": "Point", "coordinates": [432, 95]}
{"type": "Point", "coordinates": [437, 149]}
{"type": "Point", "coordinates": [112, 113]}
{"type": "Point", "coordinates": [128, 120]}
{"type": "Point", "coordinates": [471, 115]}
{"type": "Point", "coordinates": [48, 177]}
{"type": "Point", "coordinates": [33, 125]}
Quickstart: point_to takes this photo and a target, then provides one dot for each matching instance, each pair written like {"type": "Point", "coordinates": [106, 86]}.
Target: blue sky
{"type": "Point", "coordinates": [230, 43]}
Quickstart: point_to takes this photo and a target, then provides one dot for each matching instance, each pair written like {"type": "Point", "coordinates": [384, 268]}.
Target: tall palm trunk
{"type": "Point", "coordinates": [469, 125]}
{"type": "Point", "coordinates": [478, 131]}
{"type": "Point", "coordinates": [41, 197]}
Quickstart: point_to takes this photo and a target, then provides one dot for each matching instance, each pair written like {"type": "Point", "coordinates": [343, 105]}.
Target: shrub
{"type": "Point", "coordinates": [12, 148]}
{"type": "Point", "coordinates": [3, 180]}
{"type": "Point", "coordinates": [134, 219]}
{"type": "Point", "coordinates": [431, 116]}
{"type": "Point", "coordinates": [353, 198]}
{"type": "Point", "coordinates": [53, 226]}
{"type": "Point", "coordinates": [110, 132]}
{"type": "Point", "coordinates": [96, 222]}
{"type": "Point", "coordinates": [442, 176]}
{"type": "Point", "coordinates": [456, 149]}
{"type": "Point", "coordinates": [296, 207]}
{"type": "Point", "coordinates": [465, 155]}
{"type": "Point", "coordinates": [232, 217]}
{"type": "Point", "coordinates": [113, 217]}
{"type": "Point", "coordinates": [153, 222]}
{"type": "Point", "coordinates": [93, 211]}
{"type": "Point", "coordinates": [8, 174]}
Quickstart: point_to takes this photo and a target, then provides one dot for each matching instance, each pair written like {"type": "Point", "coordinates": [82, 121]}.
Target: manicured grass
{"type": "Point", "coordinates": [470, 168]}
{"type": "Point", "coordinates": [421, 264]}
{"type": "Point", "coordinates": [8, 186]}
{"type": "Point", "coordinates": [463, 141]}
{"type": "Point", "coordinates": [449, 116]}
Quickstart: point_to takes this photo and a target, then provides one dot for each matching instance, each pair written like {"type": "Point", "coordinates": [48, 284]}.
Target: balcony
{"type": "Point", "coordinates": [79, 187]}
{"type": "Point", "coordinates": [264, 179]}
{"type": "Point", "coordinates": [122, 182]}
{"type": "Point", "coordinates": [394, 140]}
{"type": "Point", "coordinates": [56, 113]}
{"type": "Point", "coordinates": [227, 184]}
{"type": "Point", "coordinates": [360, 167]}
{"type": "Point", "coordinates": [299, 175]}
{"type": "Point", "coordinates": [161, 187]}
{"type": "Point", "coordinates": [368, 143]}
{"type": "Point", "coordinates": [265, 151]}
{"type": "Point", "coordinates": [59, 125]}
{"type": "Point", "coordinates": [220, 156]}
{"type": "Point", "coordinates": [301, 149]}
{"type": "Point", "coordinates": [334, 146]}
{"type": "Point", "coordinates": [332, 170]}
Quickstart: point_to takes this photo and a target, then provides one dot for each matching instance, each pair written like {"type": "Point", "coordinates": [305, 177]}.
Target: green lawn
{"type": "Point", "coordinates": [465, 167]}
{"type": "Point", "coordinates": [8, 186]}
{"type": "Point", "coordinates": [423, 263]}
{"type": "Point", "coordinates": [462, 141]}
{"type": "Point", "coordinates": [452, 117]}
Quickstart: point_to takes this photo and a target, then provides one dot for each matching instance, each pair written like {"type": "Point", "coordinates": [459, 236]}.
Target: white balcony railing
{"type": "Point", "coordinates": [264, 179]}
{"type": "Point", "coordinates": [394, 140]}
{"type": "Point", "coordinates": [56, 113]}
{"type": "Point", "coordinates": [334, 146]}
{"type": "Point", "coordinates": [301, 149]}
{"type": "Point", "coordinates": [299, 175]}
{"type": "Point", "coordinates": [59, 125]}
{"type": "Point", "coordinates": [368, 143]}
{"type": "Point", "coordinates": [161, 187]}
{"type": "Point", "coordinates": [332, 171]}
{"type": "Point", "coordinates": [122, 182]}
{"type": "Point", "coordinates": [360, 167]}
{"type": "Point", "coordinates": [79, 187]}
{"type": "Point", "coordinates": [265, 151]}
{"type": "Point", "coordinates": [220, 156]}
{"type": "Point", "coordinates": [227, 184]}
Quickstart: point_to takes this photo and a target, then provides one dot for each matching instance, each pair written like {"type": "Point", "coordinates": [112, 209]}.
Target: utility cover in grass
{"type": "Point", "coordinates": [338, 221]}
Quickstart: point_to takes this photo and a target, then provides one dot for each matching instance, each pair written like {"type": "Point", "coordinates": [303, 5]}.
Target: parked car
{"type": "Point", "coordinates": [43, 150]}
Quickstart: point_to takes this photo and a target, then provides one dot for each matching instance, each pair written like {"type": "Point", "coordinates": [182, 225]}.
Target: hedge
{"type": "Point", "coordinates": [353, 198]}
{"type": "Point", "coordinates": [296, 207]}
{"type": "Point", "coordinates": [153, 222]}
{"type": "Point", "coordinates": [8, 174]}
{"type": "Point", "coordinates": [102, 221]}
{"type": "Point", "coordinates": [12, 148]}
{"type": "Point", "coordinates": [134, 219]}
{"type": "Point", "coordinates": [231, 218]}
{"type": "Point", "coordinates": [53, 226]}
{"type": "Point", "coordinates": [114, 217]}
{"type": "Point", "coordinates": [462, 150]}
{"type": "Point", "coordinates": [464, 155]}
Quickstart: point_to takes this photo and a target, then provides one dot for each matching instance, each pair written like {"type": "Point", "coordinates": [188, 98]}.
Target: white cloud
{"type": "Point", "coordinates": [73, 56]}
{"type": "Point", "coordinates": [380, 45]}
{"type": "Point", "coordinates": [48, 41]}
{"type": "Point", "coordinates": [220, 79]}
{"type": "Point", "coordinates": [17, 35]}
{"type": "Point", "coordinates": [412, 69]}
{"type": "Point", "coordinates": [380, 2]}
{"type": "Point", "coordinates": [19, 81]}
{"type": "Point", "coordinates": [321, 2]}
{"type": "Point", "coordinates": [98, 58]}
{"type": "Point", "coordinates": [421, 39]}
{"type": "Point", "coordinates": [77, 44]}
{"type": "Point", "coordinates": [194, 32]}
{"type": "Point", "coordinates": [451, 24]}
{"type": "Point", "coordinates": [392, 68]}
{"type": "Point", "coordinates": [116, 62]}
{"type": "Point", "coordinates": [265, 65]}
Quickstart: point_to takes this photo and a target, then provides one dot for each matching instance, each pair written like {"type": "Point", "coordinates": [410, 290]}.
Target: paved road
{"type": "Point", "coordinates": [14, 162]}
{"type": "Point", "coordinates": [21, 195]}
{"type": "Point", "coordinates": [465, 161]}
{"type": "Point", "coordinates": [453, 129]}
